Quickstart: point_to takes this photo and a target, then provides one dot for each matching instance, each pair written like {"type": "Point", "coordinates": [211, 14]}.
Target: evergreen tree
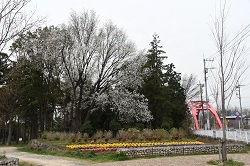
{"type": "Point", "coordinates": [4, 68]}
{"type": "Point", "coordinates": [166, 99]}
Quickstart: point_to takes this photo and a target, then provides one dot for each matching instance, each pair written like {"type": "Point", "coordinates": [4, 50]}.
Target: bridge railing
{"type": "Point", "coordinates": [234, 135]}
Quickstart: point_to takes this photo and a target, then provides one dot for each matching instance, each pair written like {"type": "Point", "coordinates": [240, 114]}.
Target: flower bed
{"type": "Point", "coordinates": [114, 146]}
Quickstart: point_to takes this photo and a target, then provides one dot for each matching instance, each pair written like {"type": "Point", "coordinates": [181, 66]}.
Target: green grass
{"type": "Point", "coordinates": [91, 156]}
{"type": "Point", "coordinates": [248, 148]}
{"type": "Point", "coordinates": [229, 162]}
{"type": "Point", "coordinates": [26, 164]}
{"type": "Point", "coordinates": [96, 157]}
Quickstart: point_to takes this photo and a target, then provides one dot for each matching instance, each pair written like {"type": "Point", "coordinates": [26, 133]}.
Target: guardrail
{"type": "Point", "coordinates": [234, 135]}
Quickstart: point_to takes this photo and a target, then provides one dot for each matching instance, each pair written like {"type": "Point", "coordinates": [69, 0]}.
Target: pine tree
{"type": "Point", "coordinates": [166, 99]}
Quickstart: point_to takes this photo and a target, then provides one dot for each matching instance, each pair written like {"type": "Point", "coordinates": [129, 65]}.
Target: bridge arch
{"type": "Point", "coordinates": [197, 106]}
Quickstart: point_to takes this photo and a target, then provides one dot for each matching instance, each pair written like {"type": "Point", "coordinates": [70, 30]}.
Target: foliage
{"type": "Point", "coordinates": [107, 135]}
{"type": "Point", "coordinates": [87, 128]}
{"type": "Point", "coordinates": [147, 133]}
{"type": "Point", "coordinates": [133, 133]}
{"type": "Point", "coordinates": [229, 162]}
{"type": "Point", "coordinates": [166, 98]}
{"type": "Point", "coordinates": [97, 157]}
{"type": "Point", "coordinates": [81, 78]}
{"type": "Point", "coordinates": [53, 136]}
{"type": "Point", "coordinates": [159, 134]}
{"type": "Point", "coordinates": [63, 136]}
{"type": "Point", "coordinates": [2, 155]}
{"type": "Point", "coordinates": [114, 126]}
{"type": "Point", "coordinates": [22, 163]}
{"type": "Point", "coordinates": [98, 134]}
{"type": "Point", "coordinates": [121, 135]}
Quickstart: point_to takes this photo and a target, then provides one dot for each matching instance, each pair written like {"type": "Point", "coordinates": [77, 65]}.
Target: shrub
{"type": "Point", "coordinates": [44, 135]}
{"type": "Point", "coordinates": [85, 137]}
{"type": "Point", "coordinates": [2, 155]}
{"type": "Point", "coordinates": [159, 134]}
{"type": "Point", "coordinates": [140, 137]}
{"type": "Point", "coordinates": [147, 133]}
{"type": "Point", "coordinates": [71, 137]}
{"type": "Point", "coordinates": [107, 135]}
{"type": "Point", "coordinates": [50, 136]}
{"type": "Point", "coordinates": [56, 135]}
{"type": "Point", "coordinates": [121, 135]}
{"type": "Point", "coordinates": [98, 134]}
{"type": "Point", "coordinates": [133, 133]}
{"type": "Point", "coordinates": [78, 136]}
{"type": "Point", "coordinates": [87, 128]}
{"type": "Point", "coordinates": [181, 133]}
{"type": "Point", "coordinates": [174, 133]}
{"type": "Point", "coordinates": [114, 126]}
{"type": "Point", "coordinates": [167, 125]}
{"type": "Point", "coordinates": [63, 136]}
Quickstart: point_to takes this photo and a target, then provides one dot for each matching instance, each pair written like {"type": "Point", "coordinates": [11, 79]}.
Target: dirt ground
{"type": "Point", "coordinates": [47, 160]}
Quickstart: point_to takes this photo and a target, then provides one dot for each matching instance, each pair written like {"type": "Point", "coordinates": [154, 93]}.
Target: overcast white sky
{"type": "Point", "coordinates": [183, 26]}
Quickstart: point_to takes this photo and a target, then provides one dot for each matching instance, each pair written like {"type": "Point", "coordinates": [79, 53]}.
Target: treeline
{"type": "Point", "coordinates": [83, 77]}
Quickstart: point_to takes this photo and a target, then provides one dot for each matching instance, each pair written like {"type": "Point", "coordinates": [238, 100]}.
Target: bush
{"type": "Point", "coordinates": [147, 133]}
{"type": "Point", "coordinates": [71, 137]}
{"type": "Point", "coordinates": [121, 135]}
{"type": "Point", "coordinates": [87, 128]}
{"type": "Point", "coordinates": [174, 133]}
{"type": "Point", "coordinates": [140, 137]}
{"type": "Point", "coordinates": [229, 162]}
{"type": "Point", "coordinates": [159, 134]}
{"type": "Point", "coordinates": [107, 135]}
{"type": "Point", "coordinates": [51, 136]}
{"type": "Point", "coordinates": [78, 136]}
{"type": "Point", "coordinates": [182, 134]}
{"type": "Point", "coordinates": [63, 136]}
{"type": "Point", "coordinates": [45, 135]}
{"type": "Point", "coordinates": [166, 125]}
{"type": "Point", "coordinates": [85, 137]}
{"type": "Point", "coordinates": [98, 134]}
{"type": "Point", "coordinates": [114, 126]}
{"type": "Point", "coordinates": [133, 133]}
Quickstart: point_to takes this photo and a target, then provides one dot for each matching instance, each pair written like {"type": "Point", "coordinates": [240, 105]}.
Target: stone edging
{"type": "Point", "coordinates": [10, 161]}
{"type": "Point", "coordinates": [180, 150]}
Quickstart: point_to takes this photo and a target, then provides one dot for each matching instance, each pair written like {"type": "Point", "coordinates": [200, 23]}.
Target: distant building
{"type": "Point", "coordinates": [234, 122]}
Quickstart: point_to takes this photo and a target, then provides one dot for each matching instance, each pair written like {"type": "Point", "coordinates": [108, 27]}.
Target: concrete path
{"type": "Point", "coordinates": [47, 160]}
{"type": "Point", "coordinates": [42, 160]}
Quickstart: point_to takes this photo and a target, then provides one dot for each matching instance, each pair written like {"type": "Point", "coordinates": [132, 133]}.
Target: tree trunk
{"type": "Point", "coordinates": [9, 133]}
{"type": "Point", "coordinates": [4, 133]}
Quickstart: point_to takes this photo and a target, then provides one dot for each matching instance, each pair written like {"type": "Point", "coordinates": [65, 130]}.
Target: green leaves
{"type": "Point", "coordinates": [162, 89]}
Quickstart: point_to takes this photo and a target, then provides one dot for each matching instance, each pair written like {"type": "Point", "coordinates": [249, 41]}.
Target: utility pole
{"type": "Point", "coordinates": [239, 96]}
{"type": "Point", "coordinates": [205, 75]}
{"type": "Point", "coordinates": [203, 115]}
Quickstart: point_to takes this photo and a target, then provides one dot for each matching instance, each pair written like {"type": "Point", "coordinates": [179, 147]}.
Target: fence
{"type": "Point", "coordinates": [234, 135]}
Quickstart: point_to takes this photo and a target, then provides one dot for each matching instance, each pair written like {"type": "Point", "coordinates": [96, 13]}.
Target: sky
{"type": "Point", "coordinates": [184, 27]}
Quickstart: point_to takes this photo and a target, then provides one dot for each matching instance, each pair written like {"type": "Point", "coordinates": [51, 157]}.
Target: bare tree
{"type": "Point", "coordinates": [190, 84]}
{"type": "Point", "coordinates": [93, 63]}
{"type": "Point", "coordinates": [78, 59]}
{"type": "Point", "coordinates": [13, 20]}
{"type": "Point", "coordinates": [231, 62]}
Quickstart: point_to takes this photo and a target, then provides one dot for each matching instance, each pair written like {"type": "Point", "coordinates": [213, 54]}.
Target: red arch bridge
{"type": "Point", "coordinates": [197, 106]}
{"type": "Point", "coordinates": [236, 135]}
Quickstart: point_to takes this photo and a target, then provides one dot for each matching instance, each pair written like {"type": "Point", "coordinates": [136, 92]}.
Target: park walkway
{"type": "Point", "coordinates": [194, 160]}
